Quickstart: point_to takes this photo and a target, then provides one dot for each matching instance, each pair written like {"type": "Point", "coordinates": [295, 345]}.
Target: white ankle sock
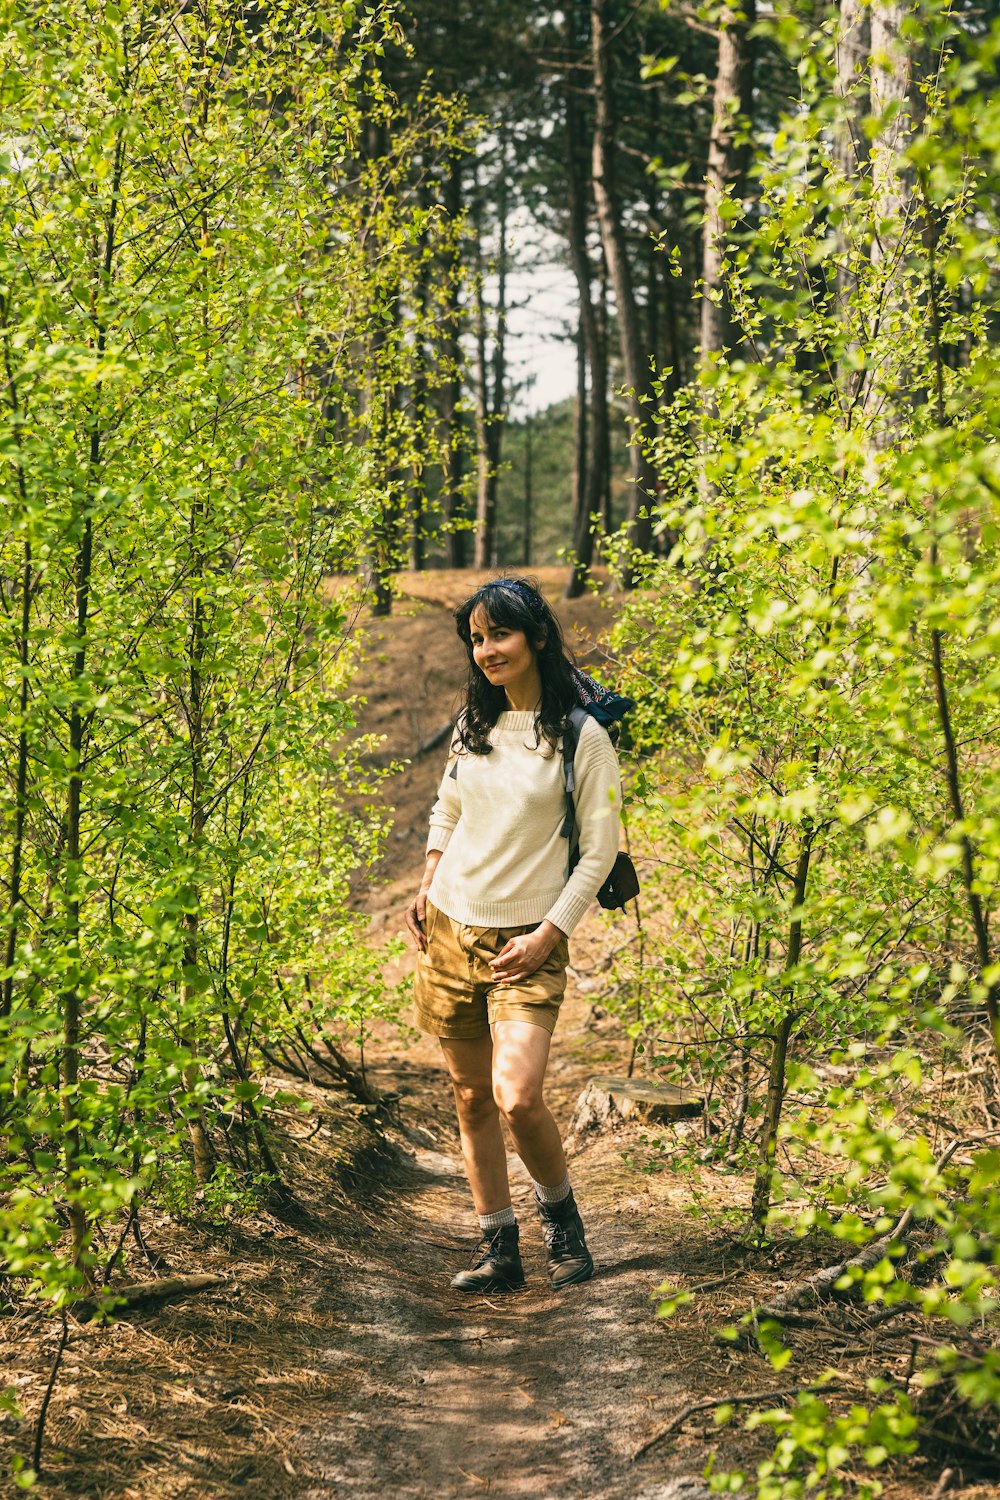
{"type": "Point", "coordinates": [552, 1194]}
{"type": "Point", "coordinates": [502, 1219]}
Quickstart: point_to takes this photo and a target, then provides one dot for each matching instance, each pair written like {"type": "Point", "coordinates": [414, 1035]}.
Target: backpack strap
{"type": "Point", "coordinates": [570, 740]}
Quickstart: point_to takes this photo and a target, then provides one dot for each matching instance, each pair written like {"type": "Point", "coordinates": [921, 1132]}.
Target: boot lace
{"type": "Point", "coordinates": [488, 1249]}
{"type": "Point", "coordinates": [560, 1238]}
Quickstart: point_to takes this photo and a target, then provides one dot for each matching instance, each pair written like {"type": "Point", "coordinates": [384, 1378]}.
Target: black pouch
{"type": "Point", "coordinates": [622, 884]}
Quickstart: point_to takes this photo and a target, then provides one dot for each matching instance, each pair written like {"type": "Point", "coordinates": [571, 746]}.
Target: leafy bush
{"type": "Point", "coordinates": [184, 284]}
{"type": "Point", "coordinates": [818, 663]}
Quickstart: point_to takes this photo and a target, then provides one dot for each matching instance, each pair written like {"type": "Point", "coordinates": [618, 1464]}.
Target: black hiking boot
{"type": "Point", "coordinates": [569, 1259]}
{"type": "Point", "coordinates": [495, 1265]}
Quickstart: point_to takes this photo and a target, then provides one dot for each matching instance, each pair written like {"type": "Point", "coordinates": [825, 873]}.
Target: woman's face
{"type": "Point", "coordinates": [506, 657]}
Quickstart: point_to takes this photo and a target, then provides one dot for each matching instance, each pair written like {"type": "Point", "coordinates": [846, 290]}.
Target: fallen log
{"type": "Point", "coordinates": [136, 1293]}
{"type": "Point", "coordinates": [437, 739]}
{"type": "Point", "coordinates": [821, 1286]}
{"type": "Point", "coordinates": [746, 1398]}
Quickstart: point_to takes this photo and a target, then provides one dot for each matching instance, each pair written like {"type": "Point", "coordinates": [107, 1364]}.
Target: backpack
{"type": "Point", "coordinates": [608, 708]}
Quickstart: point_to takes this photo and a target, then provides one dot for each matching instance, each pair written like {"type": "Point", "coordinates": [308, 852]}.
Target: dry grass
{"type": "Point", "coordinates": [205, 1396]}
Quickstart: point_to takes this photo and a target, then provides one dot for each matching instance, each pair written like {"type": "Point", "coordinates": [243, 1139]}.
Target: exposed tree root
{"type": "Point", "coordinates": [136, 1293]}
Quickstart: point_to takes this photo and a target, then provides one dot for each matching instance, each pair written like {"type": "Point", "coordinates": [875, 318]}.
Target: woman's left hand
{"type": "Point", "coordinates": [522, 955]}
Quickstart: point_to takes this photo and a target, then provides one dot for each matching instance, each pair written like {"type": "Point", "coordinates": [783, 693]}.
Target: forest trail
{"type": "Point", "coordinates": [533, 1393]}
{"type": "Point", "coordinates": [555, 1396]}
{"type": "Point", "coordinates": [526, 1394]}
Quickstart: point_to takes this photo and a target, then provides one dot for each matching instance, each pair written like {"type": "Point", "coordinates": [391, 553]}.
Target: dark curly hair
{"type": "Point", "coordinates": [515, 604]}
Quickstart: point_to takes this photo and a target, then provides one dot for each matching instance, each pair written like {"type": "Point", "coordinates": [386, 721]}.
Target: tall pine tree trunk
{"type": "Point", "coordinates": [853, 48]}
{"type": "Point", "coordinates": [492, 375]}
{"type": "Point", "coordinates": [894, 104]}
{"type": "Point", "coordinates": [381, 546]}
{"type": "Point", "coordinates": [851, 153]}
{"type": "Point", "coordinates": [581, 425]}
{"type": "Point", "coordinates": [635, 361]}
{"type": "Point", "coordinates": [420, 405]}
{"type": "Point", "coordinates": [593, 425]}
{"type": "Point", "coordinates": [890, 103]}
{"type": "Point", "coordinates": [600, 399]}
{"type": "Point", "coordinates": [451, 351]}
{"type": "Point", "coordinates": [485, 493]}
{"type": "Point", "coordinates": [727, 162]}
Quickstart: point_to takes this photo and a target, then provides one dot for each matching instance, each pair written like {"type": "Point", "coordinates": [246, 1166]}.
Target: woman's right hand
{"type": "Point", "coordinates": [416, 914]}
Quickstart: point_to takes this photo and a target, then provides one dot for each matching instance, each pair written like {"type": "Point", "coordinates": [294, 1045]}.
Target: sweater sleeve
{"type": "Point", "coordinates": [598, 801]}
{"type": "Point", "coordinates": [446, 810]}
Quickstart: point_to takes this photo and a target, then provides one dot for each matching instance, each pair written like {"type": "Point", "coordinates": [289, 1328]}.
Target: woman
{"type": "Point", "coordinates": [496, 905]}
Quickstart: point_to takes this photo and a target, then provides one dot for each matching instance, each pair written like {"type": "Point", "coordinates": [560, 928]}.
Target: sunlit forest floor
{"type": "Point", "coordinates": [336, 1361]}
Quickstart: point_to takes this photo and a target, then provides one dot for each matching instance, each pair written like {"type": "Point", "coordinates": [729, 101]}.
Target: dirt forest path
{"type": "Point", "coordinates": [529, 1394]}
{"type": "Point", "coordinates": [335, 1360]}
{"type": "Point", "coordinates": [532, 1394]}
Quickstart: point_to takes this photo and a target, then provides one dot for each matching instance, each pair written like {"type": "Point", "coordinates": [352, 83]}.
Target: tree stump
{"type": "Point", "coordinates": [609, 1100]}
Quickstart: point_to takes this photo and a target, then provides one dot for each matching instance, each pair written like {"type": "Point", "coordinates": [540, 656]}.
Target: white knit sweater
{"type": "Point", "coordinates": [505, 862]}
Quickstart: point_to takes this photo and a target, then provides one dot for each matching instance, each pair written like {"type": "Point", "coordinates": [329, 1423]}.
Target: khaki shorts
{"type": "Point", "coordinates": [455, 992]}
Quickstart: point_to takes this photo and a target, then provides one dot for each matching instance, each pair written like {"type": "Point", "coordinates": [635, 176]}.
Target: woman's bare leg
{"type": "Point", "coordinates": [470, 1066]}
{"type": "Point", "coordinates": [520, 1057]}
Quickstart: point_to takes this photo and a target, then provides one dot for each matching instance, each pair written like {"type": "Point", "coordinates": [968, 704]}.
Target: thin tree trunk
{"type": "Point", "coordinates": [202, 1153]}
{"type": "Point", "coordinates": [653, 253]}
{"type": "Point", "coordinates": [385, 537]}
{"type": "Point", "coordinates": [455, 540]}
{"type": "Point", "coordinates": [728, 155]}
{"type": "Point", "coordinates": [638, 376]}
{"type": "Point", "coordinates": [779, 1050]}
{"type": "Point", "coordinates": [492, 382]}
{"type": "Point", "coordinates": [978, 916]}
{"type": "Point", "coordinates": [654, 301]}
{"type": "Point", "coordinates": [593, 426]}
{"type": "Point", "coordinates": [676, 371]}
{"type": "Point", "coordinates": [72, 996]}
{"type": "Point", "coordinates": [20, 787]}
{"type": "Point", "coordinates": [952, 776]}
{"type": "Point", "coordinates": [420, 412]}
{"type": "Point", "coordinates": [23, 660]}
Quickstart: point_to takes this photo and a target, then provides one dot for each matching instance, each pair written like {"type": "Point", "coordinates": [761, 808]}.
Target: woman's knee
{"type": "Point", "coordinates": [519, 1106]}
{"type": "Point", "coordinates": [474, 1101]}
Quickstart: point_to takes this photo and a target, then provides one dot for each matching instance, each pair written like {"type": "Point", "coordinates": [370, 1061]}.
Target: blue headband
{"type": "Point", "coordinates": [524, 591]}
